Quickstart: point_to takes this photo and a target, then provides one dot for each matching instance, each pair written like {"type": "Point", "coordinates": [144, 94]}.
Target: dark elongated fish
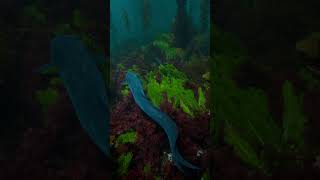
{"type": "Point", "coordinates": [85, 86]}
{"type": "Point", "coordinates": [160, 118]}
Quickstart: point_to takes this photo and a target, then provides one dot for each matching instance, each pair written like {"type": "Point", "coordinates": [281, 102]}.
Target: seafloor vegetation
{"type": "Point", "coordinates": [184, 101]}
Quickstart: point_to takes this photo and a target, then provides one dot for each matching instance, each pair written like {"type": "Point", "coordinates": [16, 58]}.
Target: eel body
{"type": "Point", "coordinates": [160, 118]}
{"type": "Point", "coordinates": [85, 86]}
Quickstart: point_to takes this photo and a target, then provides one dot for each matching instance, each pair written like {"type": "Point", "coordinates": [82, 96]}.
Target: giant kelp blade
{"type": "Point", "coordinates": [160, 118]}
{"type": "Point", "coordinates": [85, 87]}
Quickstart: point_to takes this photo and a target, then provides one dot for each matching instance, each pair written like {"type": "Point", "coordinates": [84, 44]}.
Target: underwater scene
{"type": "Point", "coordinates": [169, 54]}
{"type": "Point", "coordinates": [159, 90]}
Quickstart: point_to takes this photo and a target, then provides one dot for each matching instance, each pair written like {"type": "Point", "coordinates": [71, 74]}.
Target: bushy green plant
{"type": "Point", "coordinates": [164, 44]}
{"type": "Point", "coordinates": [169, 70]}
{"type": "Point", "coordinates": [243, 148]}
{"type": "Point", "coordinates": [161, 44]}
{"type": "Point", "coordinates": [147, 169]}
{"type": "Point", "coordinates": [172, 87]}
{"type": "Point", "coordinates": [128, 137]}
{"type": "Point", "coordinates": [179, 96]}
{"type": "Point", "coordinates": [201, 99]}
{"type": "Point", "coordinates": [205, 176]}
{"type": "Point", "coordinates": [168, 52]}
{"type": "Point", "coordinates": [125, 91]}
{"type": "Point", "coordinates": [167, 37]}
{"type": "Point", "coordinates": [120, 66]}
{"type": "Point", "coordinates": [123, 163]}
{"type": "Point", "coordinates": [154, 91]}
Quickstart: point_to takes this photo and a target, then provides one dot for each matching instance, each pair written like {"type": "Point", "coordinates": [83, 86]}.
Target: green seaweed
{"type": "Point", "coordinates": [169, 70]}
{"type": "Point", "coordinates": [245, 114]}
{"type": "Point", "coordinates": [243, 148]}
{"type": "Point", "coordinates": [128, 137]}
{"type": "Point", "coordinates": [166, 37]}
{"type": "Point", "coordinates": [205, 176]}
{"type": "Point", "coordinates": [154, 91]}
{"type": "Point", "coordinates": [120, 66]}
{"type": "Point", "coordinates": [147, 169]}
{"type": "Point", "coordinates": [201, 99]}
{"type": "Point", "coordinates": [164, 44]}
{"type": "Point", "coordinates": [123, 163]}
{"type": "Point", "coordinates": [172, 88]}
{"type": "Point", "coordinates": [125, 91]}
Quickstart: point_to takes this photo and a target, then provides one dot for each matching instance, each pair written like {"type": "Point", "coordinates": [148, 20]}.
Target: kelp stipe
{"type": "Point", "coordinates": [160, 118]}
{"type": "Point", "coordinates": [85, 86]}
